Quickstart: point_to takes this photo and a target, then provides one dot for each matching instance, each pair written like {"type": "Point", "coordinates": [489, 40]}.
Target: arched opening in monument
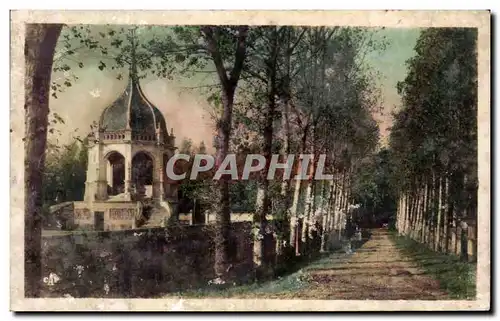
{"type": "Point", "coordinates": [115, 173]}
{"type": "Point", "coordinates": [142, 174]}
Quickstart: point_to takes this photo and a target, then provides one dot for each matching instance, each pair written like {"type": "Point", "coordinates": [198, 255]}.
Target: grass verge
{"type": "Point", "coordinates": [455, 276]}
{"type": "Point", "coordinates": [295, 278]}
{"type": "Point", "coordinates": [294, 281]}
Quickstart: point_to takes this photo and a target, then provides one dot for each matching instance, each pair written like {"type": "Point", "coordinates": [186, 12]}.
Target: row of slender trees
{"type": "Point", "coordinates": [274, 89]}
{"type": "Point", "coordinates": [303, 91]}
{"type": "Point", "coordinates": [434, 142]}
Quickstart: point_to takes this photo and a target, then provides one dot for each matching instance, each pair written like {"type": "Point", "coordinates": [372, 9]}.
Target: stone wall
{"type": "Point", "coordinates": [139, 263]}
{"type": "Point", "coordinates": [235, 217]}
{"type": "Point", "coordinates": [117, 215]}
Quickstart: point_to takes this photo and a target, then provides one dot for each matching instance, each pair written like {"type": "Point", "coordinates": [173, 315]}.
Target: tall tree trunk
{"type": "Point", "coordinates": [437, 240]}
{"type": "Point", "coordinates": [418, 201]}
{"type": "Point", "coordinates": [294, 221]}
{"type": "Point", "coordinates": [407, 212]}
{"type": "Point", "coordinates": [285, 97]}
{"type": "Point", "coordinates": [337, 207]}
{"type": "Point", "coordinates": [459, 186]}
{"type": "Point", "coordinates": [223, 213]}
{"type": "Point", "coordinates": [259, 221]}
{"type": "Point", "coordinates": [398, 212]}
{"type": "Point", "coordinates": [327, 216]}
{"type": "Point", "coordinates": [347, 198]}
{"type": "Point", "coordinates": [423, 191]}
{"type": "Point", "coordinates": [403, 213]}
{"type": "Point", "coordinates": [463, 223]}
{"type": "Point", "coordinates": [425, 211]}
{"type": "Point", "coordinates": [40, 43]}
{"type": "Point", "coordinates": [285, 185]}
{"type": "Point", "coordinates": [414, 212]}
{"type": "Point", "coordinates": [263, 199]}
{"type": "Point", "coordinates": [455, 187]}
{"type": "Point", "coordinates": [306, 222]}
{"type": "Point", "coordinates": [342, 214]}
{"type": "Point", "coordinates": [409, 208]}
{"type": "Point", "coordinates": [419, 214]}
{"type": "Point", "coordinates": [315, 205]}
{"type": "Point", "coordinates": [431, 207]}
{"type": "Point", "coordinates": [228, 84]}
{"type": "Point", "coordinates": [398, 215]}
{"type": "Point", "coordinates": [333, 210]}
{"type": "Point", "coordinates": [446, 205]}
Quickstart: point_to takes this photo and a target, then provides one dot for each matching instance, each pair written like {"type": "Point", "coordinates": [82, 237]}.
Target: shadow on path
{"type": "Point", "coordinates": [376, 271]}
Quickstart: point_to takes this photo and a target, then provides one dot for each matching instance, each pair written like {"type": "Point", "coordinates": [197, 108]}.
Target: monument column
{"type": "Point", "coordinates": [128, 166]}
{"type": "Point", "coordinates": [158, 170]}
{"type": "Point", "coordinates": [102, 183]}
{"type": "Point", "coordinates": [128, 175]}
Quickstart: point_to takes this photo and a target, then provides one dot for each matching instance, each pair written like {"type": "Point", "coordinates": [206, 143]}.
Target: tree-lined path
{"type": "Point", "coordinates": [285, 90]}
{"type": "Point", "coordinates": [376, 271]}
{"type": "Point", "coordinates": [384, 267]}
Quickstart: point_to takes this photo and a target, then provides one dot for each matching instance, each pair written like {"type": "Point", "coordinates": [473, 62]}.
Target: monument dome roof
{"type": "Point", "coordinates": [132, 111]}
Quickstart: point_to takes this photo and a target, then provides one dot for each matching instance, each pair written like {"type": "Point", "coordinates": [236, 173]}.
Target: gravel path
{"type": "Point", "coordinates": [376, 271]}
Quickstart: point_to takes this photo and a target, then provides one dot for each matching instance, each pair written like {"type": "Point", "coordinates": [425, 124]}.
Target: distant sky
{"type": "Point", "coordinates": [187, 114]}
{"type": "Point", "coordinates": [390, 63]}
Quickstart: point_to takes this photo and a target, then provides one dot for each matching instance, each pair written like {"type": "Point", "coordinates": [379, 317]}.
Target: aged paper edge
{"type": "Point", "coordinates": [394, 19]}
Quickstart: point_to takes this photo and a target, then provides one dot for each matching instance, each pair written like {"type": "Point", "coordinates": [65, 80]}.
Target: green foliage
{"type": "Point", "coordinates": [372, 186]}
{"type": "Point", "coordinates": [434, 136]}
{"type": "Point", "coordinates": [294, 277]}
{"type": "Point", "coordinates": [243, 195]}
{"type": "Point", "coordinates": [338, 91]}
{"type": "Point", "coordinates": [158, 50]}
{"type": "Point", "coordinates": [437, 128]}
{"type": "Point", "coordinates": [65, 173]}
{"type": "Point", "coordinates": [455, 276]}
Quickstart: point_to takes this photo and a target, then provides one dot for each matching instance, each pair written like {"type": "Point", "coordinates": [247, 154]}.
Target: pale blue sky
{"type": "Point", "coordinates": [95, 90]}
{"type": "Point", "coordinates": [390, 63]}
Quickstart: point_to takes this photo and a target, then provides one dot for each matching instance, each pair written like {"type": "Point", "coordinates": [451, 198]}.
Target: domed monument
{"type": "Point", "coordinates": [126, 184]}
{"type": "Point", "coordinates": [129, 150]}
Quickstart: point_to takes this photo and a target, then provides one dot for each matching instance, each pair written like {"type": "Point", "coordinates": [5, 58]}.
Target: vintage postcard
{"type": "Point", "coordinates": [250, 160]}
